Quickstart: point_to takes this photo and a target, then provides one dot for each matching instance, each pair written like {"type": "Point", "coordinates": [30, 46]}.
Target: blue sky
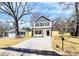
{"type": "Point", "coordinates": [52, 10]}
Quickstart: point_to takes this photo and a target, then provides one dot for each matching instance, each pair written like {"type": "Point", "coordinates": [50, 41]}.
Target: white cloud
{"type": "Point", "coordinates": [48, 8]}
{"type": "Point", "coordinates": [27, 24]}
{"type": "Point", "coordinates": [51, 8]}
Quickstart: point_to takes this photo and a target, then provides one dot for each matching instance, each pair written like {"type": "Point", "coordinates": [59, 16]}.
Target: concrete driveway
{"type": "Point", "coordinates": [36, 43]}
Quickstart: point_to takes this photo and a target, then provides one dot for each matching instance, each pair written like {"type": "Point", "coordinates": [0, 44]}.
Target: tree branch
{"type": "Point", "coordinates": [11, 9]}
{"type": "Point", "coordinates": [5, 12]}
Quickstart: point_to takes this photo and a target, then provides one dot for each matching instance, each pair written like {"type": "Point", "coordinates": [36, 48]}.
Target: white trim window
{"type": "Point", "coordinates": [36, 24]}
{"type": "Point", "coordinates": [41, 24]}
{"type": "Point", "coordinates": [47, 23]}
{"type": "Point", "coordinates": [38, 32]}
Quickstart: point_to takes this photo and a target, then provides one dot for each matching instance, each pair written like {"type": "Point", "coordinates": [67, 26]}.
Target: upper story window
{"type": "Point", "coordinates": [36, 24]}
{"type": "Point", "coordinates": [39, 24]}
{"type": "Point", "coordinates": [47, 23]}
{"type": "Point", "coordinates": [42, 24]}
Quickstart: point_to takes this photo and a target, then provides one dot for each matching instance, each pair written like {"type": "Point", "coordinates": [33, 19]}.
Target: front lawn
{"type": "Point", "coordinates": [7, 42]}
{"type": "Point", "coordinates": [70, 45]}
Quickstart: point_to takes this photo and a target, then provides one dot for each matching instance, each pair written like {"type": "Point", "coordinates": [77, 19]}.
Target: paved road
{"type": "Point", "coordinates": [36, 43]}
{"type": "Point", "coordinates": [33, 46]}
{"type": "Point", "coordinates": [22, 52]}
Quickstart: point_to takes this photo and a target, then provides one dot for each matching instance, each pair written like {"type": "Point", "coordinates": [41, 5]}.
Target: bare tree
{"type": "Point", "coordinates": [16, 10]}
{"type": "Point", "coordinates": [59, 24]}
{"type": "Point", "coordinates": [11, 23]}
{"type": "Point", "coordinates": [74, 5]}
{"type": "Point", "coordinates": [77, 17]}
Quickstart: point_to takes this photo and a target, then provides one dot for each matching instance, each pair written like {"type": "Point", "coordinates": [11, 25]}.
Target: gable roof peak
{"type": "Point", "coordinates": [43, 17]}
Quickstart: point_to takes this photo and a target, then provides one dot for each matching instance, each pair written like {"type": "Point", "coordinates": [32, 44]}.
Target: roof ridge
{"type": "Point", "coordinates": [43, 17]}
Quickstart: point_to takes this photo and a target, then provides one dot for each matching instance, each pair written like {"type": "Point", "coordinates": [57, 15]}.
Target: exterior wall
{"type": "Point", "coordinates": [28, 34]}
{"type": "Point", "coordinates": [40, 35]}
{"type": "Point", "coordinates": [44, 32]}
{"type": "Point", "coordinates": [43, 26]}
{"type": "Point", "coordinates": [11, 35]}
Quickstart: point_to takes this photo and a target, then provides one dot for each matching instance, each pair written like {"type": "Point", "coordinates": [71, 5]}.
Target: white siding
{"type": "Point", "coordinates": [50, 25]}
{"type": "Point", "coordinates": [11, 35]}
{"type": "Point", "coordinates": [37, 34]}
{"type": "Point", "coordinates": [41, 27]}
{"type": "Point", "coordinates": [43, 34]}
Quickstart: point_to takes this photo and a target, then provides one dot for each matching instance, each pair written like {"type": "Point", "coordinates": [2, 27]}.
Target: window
{"type": "Point", "coordinates": [5, 34]}
{"type": "Point", "coordinates": [47, 23]}
{"type": "Point", "coordinates": [21, 33]}
{"type": "Point", "coordinates": [41, 24]}
{"type": "Point", "coordinates": [36, 24]}
{"type": "Point", "coordinates": [38, 32]}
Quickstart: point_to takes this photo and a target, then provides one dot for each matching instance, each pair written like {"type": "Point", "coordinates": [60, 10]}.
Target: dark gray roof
{"type": "Point", "coordinates": [42, 18]}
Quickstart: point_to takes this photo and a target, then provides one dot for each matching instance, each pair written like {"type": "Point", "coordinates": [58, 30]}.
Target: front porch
{"type": "Point", "coordinates": [41, 32]}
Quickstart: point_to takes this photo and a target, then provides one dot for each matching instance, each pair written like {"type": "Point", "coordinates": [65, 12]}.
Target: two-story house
{"type": "Point", "coordinates": [42, 27]}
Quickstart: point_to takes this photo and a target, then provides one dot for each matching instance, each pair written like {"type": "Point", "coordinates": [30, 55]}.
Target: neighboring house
{"type": "Point", "coordinates": [12, 33]}
{"type": "Point", "coordinates": [42, 27]}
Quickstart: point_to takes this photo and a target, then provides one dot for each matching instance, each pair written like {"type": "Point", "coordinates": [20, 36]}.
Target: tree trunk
{"type": "Point", "coordinates": [77, 29]}
{"type": "Point", "coordinates": [17, 28]}
{"type": "Point", "coordinates": [77, 18]}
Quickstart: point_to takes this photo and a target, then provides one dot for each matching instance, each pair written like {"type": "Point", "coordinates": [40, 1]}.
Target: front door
{"type": "Point", "coordinates": [48, 33]}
